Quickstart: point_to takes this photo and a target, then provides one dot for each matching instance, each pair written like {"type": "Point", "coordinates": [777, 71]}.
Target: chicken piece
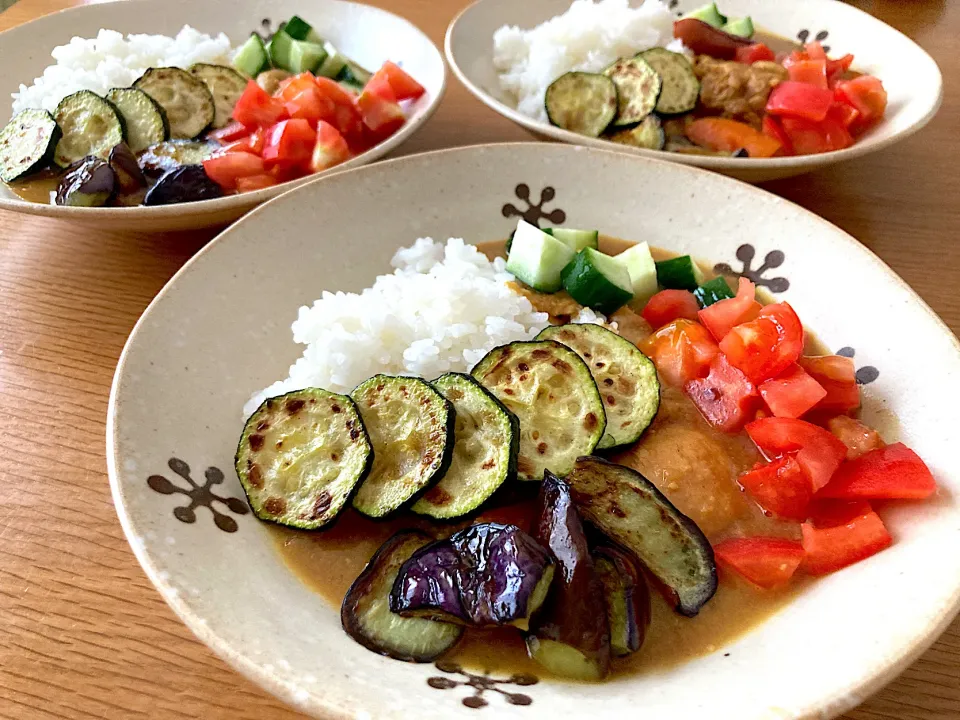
{"type": "Point", "coordinates": [737, 90]}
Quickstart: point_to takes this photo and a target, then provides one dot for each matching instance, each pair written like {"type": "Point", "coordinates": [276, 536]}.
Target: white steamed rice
{"type": "Point", "coordinates": [587, 37]}
{"type": "Point", "coordinates": [113, 60]}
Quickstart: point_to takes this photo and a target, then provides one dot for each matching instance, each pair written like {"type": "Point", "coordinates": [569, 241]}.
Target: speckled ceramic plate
{"type": "Point", "coordinates": [220, 330]}
{"type": "Point", "coordinates": [909, 74]}
{"type": "Point", "coordinates": [367, 34]}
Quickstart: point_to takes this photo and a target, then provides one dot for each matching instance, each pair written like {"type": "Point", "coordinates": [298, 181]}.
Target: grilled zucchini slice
{"type": "Point", "coordinates": [484, 453]}
{"type": "Point", "coordinates": [301, 456]}
{"type": "Point", "coordinates": [550, 389]}
{"type": "Point", "coordinates": [365, 613]}
{"type": "Point", "coordinates": [680, 85]}
{"type": "Point", "coordinates": [626, 378]}
{"type": "Point", "coordinates": [412, 429]}
{"type": "Point", "coordinates": [145, 120]}
{"type": "Point", "coordinates": [90, 126]}
{"type": "Point", "coordinates": [638, 88]}
{"type": "Point", "coordinates": [584, 103]}
{"type": "Point", "coordinates": [628, 509]}
{"type": "Point", "coordinates": [27, 144]}
{"type": "Point", "coordinates": [226, 86]}
{"type": "Point", "coordinates": [648, 134]}
{"type": "Point", "coordinates": [185, 100]}
{"type": "Point", "coordinates": [172, 154]}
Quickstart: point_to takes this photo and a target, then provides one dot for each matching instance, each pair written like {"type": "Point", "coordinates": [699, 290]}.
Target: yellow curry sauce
{"type": "Point", "coordinates": [694, 465]}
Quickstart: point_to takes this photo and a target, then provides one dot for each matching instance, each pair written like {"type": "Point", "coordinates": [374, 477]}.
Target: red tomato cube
{"type": "Point", "coordinates": [800, 100]}
{"type": "Point", "coordinates": [382, 117]}
{"type": "Point", "coordinates": [331, 149]}
{"type": "Point", "coordinates": [290, 144]}
{"type": "Point", "coordinates": [835, 374]}
{"type": "Point", "coordinates": [818, 452]}
{"type": "Point", "coordinates": [721, 317]}
{"type": "Point", "coordinates": [227, 168]}
{"type": "Point", "coordinates": [404, 86]}
{"type": "Point", "coordinates": [256, 108]}
{"type": "Point", "coordinates": [834, 547]}
{"type": "Point", "coordinates": [725, 397]}
{"type": "Point", "coordinates": [765, 347]}
{"type": "Point", "coordinates": [669, 305]}
{"type": "Point", "coordinates": [757, 52]}
{"type": "Point", "coordinates": [767, 562]}
{"type": "Point", "coordinates": [792, 393]}
{"type": "Point", "coordinates": [681, 350]}
{"type": "Point", "coordinates": [780, 487]}
{"type": "Point", "coordinates": [894, 472]}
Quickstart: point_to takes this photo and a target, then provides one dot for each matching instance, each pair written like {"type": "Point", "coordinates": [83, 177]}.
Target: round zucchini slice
{"type": "Point", "coordinates": [626, 378]}
{"type": "Point", "coordinates": [185, 100]}
{"type": "Point", "coordinates": [584, 103]}
{"type": "Point", "coordinates": [226, 86]}
{"type": "Point", "coordinates": [90, 125]}
{"type": "Point", "coordinates": [27, 144]}
{"type": "Point", "coordinates": [301, 456]}
{"type": "Point", "coordinates": [550, 389]}
{"type": "Point", "coordinates": [365, 613]}
{"type": "Point", "coordinates": [411, 426]}
{"type": "Point", "coordinates": [647, 134]}
{"type": "Point", "coordinates": [145, 120]}
{"type": "Point", "coordinates": [680, 85]}
{"type": "Point", "coordinates": [638, 88]}
{"type": "Point", "coordinates": [484, 453]}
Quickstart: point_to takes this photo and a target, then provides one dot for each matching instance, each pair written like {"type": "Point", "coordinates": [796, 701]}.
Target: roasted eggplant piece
{"type": "Point", "coordinates": [628, 509]}
{"type": "Point", "coordinates": [186, 184]}
{"type": "Point", "coordinates": [90, 182]}
{"type": "Point", "coordinates": [627, 596]}
{"type": "Point", "coordinates": [485, 575]}
{"type": "Point", "coordinates": [172, 154]}
{"type": "Point", "coordinates": [571, 636]}
{"type": "Point", "coordinates": [130, 178]}
{"type": "Point", "coordinates": [365, 612]}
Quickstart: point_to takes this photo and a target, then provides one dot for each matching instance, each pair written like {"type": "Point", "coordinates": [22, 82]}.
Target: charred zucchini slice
{"type": "Point", "coordinates": [571, 636]}
{"type": "Point", "coordinates": [186, 100]}
{"type": "Point", "coordinates": [680, 85]}
{"type": "Point", "coordinates": [629, 510]}
{"type": "Point", "coordinates": [484, 452]}
{"type": "Point", "coordinates": [90, 126]}
{"type": "Point", "coordinates": [648, 134]}
{"type": "Point", "coordinates": [485, 575]}
{"type": "Point", "coordinates": [226, 86]}
{"type": "Point", "coordinates": [550, 389]}
{"type": "Point", "coordinates": [144, 119]}
{"type": "Point", "coordinates": [301, 456]}
{"type": "Point", "coordinates": [365, 612]}
{"type": "Point", "coordinates": [27, 144]}
{"type": "Point", "coordinates": [584, 103]}
{"type": "Point", "coordinates": [638, 88]}
{"type": "Point", "coordinates": [626, 378]}
{"type": "Point", "coordinates": [411, 426]}
{"type": "Point", "coordinates": [627, 598]}
{"type": "Point", "coordinates": [172, 154]}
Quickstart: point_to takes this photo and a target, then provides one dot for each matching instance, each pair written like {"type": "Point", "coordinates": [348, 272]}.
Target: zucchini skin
{"type": "Point", "coordinates": [561, 99]}
{"type": "Point", "coordinates": [41, 159]}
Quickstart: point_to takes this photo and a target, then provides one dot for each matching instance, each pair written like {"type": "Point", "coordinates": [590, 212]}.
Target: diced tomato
{"type": "Point", "coordinates": [225, 169]}
{"type": "Point", "coordinates": [255, 182]}
{"type": "Point", "coordinates": [765, 347]}
{"type": "Point", "coordinates": [669, 305]}
{"type": "Point", "coordinates": [835, 374]}
{"type": "Point", "coordinates": [379, 85]}
{"type": "Point", "coordinates": [792, 393]}
{"type": "Point", "coordinates": [382, 117]}
{"type": "Point", "coordinates": [331, 149]}
{"type": "Point", "coordinates": [843, 113]}
{"type": "Point", "coordinates": [831, 513]}
{"type": "Point", "coordinates": [792, 99]}
{"type": "Point", "coordinates": [858, 438]}
{"type": "Point", "coordinates": [894, 472]}
{"type": "Point", "coordinates": [310, 105]}
{"type": "Point", "coordinates": [293, 86]}
{"type": "Point", "coordinates": [725, 135]}
{"type": "Point", "coordinates": [757, 52]}
{"type": "Point", "coordinates": [252, 143]}
{"type": "Point", "coordinates": [834, 547]}
{"type": "Point", "coordinates": [704, 39]}
{"type": "Point", "coordinates": [722, 316]}
{"type": "Point", "coordinates": [836, 68]}
{"type": "Point", "coordinates": [780, 487]}
{"type": "Point", "coordinates": [765, 561]}
{"type": "Point", "coordinates": [682, 351]}
{"type": "Point", "coordinates": [256, 108]}
{"type": "Point", "coordinates": [404, 86]}
{"type": "Point", "coordinates": [771, 126]}
{"type": "Point", "coordinates": [812, 72]}
{"type": "Point", "coordinates": [347, 121]}
{"type": "Point", "coordinates": [867, 95]}
{"type": "Point", "coordinates": [290, 143]}
{"type": "Point", "coordinates": [230, 133]}
{"type": "Point", "coordinates": [335, 91]}
{"type": "Point", "coordinates": [286, 173]}
{"type": "Point", "coordinates": [818, 451]}
{"type": "Point", "coordinates": [725, 397]}
{"type": "Point", "coordinates": [814, 50]}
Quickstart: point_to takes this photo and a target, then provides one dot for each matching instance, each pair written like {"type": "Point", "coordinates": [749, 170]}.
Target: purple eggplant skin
{"type": "Point", "coordinates": [188, 183]}
{"type": "Point", "coordinates": [89, 182]}
{"type": "Point", "coordinates": [130, 178]}
{"type": "Point", "coordinates": [427, 585]}
{"type": "Point", "coordinates": [627, 597]}
{"type": "Point", "coordinates": [571, 635]}
{"type": "Point", "coordinates": [365, 613]}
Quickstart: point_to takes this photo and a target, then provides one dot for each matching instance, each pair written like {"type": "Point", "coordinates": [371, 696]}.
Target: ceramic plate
{"type": "Point", "coordinates": [221, 330]}
{"type": "Point", "coordinates": [367, 34]}
{"type": "Point", "coordinates": [909, 74]}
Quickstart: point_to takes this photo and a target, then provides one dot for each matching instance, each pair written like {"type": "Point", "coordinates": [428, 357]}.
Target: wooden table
{"type": "Point", "coordinates": [83, 634]}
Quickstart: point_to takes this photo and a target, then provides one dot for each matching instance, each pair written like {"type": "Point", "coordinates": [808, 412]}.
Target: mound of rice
{"type": "Point", "coordinates": [442, 309]}
{"type": "Point", "coordinates": [111, 60]}
{"type": "Point", "coordinates": [588, 37]}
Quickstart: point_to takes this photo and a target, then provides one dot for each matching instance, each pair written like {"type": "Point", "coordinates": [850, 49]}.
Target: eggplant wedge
{"type": "Point", "coordinates": [628, 599]}
{"type": "Point", "coordinates": [365, 612]}
{"type": "Point", "coordinates": [571, 636]}
{"type": "Point", "coordinates": [485, 575]}
{"type": "Point", "coordinates": [628, 509]}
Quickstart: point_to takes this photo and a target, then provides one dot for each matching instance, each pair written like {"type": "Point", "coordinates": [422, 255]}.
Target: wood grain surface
{"type": "Point", "coordinates": [82, 632]}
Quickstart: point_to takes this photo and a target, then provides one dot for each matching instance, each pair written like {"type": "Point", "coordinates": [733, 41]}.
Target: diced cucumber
{"type": "Point", "coordinates": [299, 29]}
{"type": "Point", "coordinates": [713, 291]}
{"type": "Point", "coordinates": [333, 63]}
{"type": "Point", "coordinates": [279, 49]}
{"type": "Point", "coordinates": [742, 27]}
{"type": "Point", "coordinates": [306, 56]}
{"type": "Point", "coordinates": [679, 273]}
{"type": "Point", "coordinates": [576, 240]}
{"type": "Point", "coordinates": [597, 281]}
{"type": "Point", "coordinates": [252, 59]}
{"type": "Point", "coordinates": [536, 259]}
{"type": "Point", "coordinates": [352, 76]}
{"type": "Point", "coordinates": [708, 14]}
{"type": "Point", "coordinates": [642, 270]}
